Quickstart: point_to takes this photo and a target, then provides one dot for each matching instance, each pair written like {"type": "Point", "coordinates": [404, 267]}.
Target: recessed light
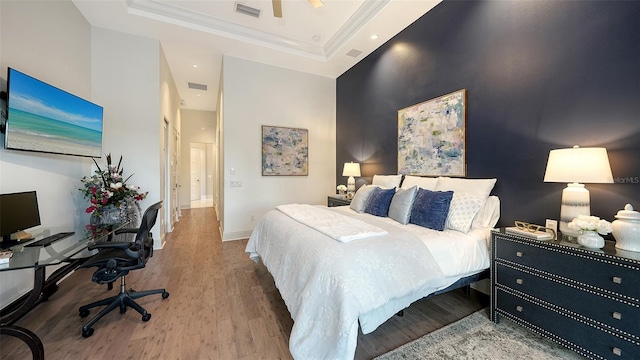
{"type": "Point", "coordinates": [316, 37]}
{"type": "Point", "coordinates": [374, 37]}
{"type": "Point", "coordinates": [198, 95]}
{"type": "Point", "coordinates": [195, 66]}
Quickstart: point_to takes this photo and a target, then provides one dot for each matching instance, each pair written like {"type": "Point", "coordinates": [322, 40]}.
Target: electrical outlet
{"type": "Point", "coordinates": [253, 218]}
{"type": "Point", "coordinates": [236, 184]}
{"type": "Point", "coordinates": [552, 224]}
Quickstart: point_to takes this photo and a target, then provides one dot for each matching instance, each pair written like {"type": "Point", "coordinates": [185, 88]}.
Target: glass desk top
{"type": "Point", "coordinates": [71, 247]}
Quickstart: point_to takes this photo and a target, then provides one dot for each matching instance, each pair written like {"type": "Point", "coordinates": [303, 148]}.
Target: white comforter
{"type": "Point", "coordinates": [327, 284]}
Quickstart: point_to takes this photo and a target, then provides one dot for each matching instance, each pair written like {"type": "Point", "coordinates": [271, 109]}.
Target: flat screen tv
{"type": "Point", "coordinates": [41, 117]}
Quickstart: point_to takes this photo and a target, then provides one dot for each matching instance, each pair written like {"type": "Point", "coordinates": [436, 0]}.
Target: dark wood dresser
{"type": "Point", "coordinates": [585, 299]}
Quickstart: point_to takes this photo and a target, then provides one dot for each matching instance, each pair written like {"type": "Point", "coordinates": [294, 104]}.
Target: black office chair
{"type": "Point", "coordinates": [114, 260]}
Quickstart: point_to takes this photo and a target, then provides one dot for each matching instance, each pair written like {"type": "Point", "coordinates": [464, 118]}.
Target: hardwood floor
{"type": "Point", "coordinates": [222, 306]}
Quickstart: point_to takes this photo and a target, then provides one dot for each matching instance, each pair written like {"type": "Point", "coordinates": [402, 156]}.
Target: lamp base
{"type": "Point", "coordinates": [351, 185]}
{"type": "Point", "coordinates": [575, 201]}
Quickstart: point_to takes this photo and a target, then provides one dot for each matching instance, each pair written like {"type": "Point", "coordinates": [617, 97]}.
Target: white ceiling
{"type": "Point", "coordinates": [200, 32]}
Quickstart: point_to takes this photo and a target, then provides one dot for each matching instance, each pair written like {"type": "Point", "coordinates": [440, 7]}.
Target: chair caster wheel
{"type": "Point", "coordinates": [84, 313]}
{"type": "Point", "coordinates": [146, 317]}
{"type": "Point", "coordinates": [123, 310]}
{"type": "Point", "coordinates": [87, 332]}
{"type": "Point", "coordinates": [165, 295]}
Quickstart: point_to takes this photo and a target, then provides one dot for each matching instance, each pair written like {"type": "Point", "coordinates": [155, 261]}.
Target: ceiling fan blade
{"type": "Point", "coordinates": [277, 8]}
{"type": "Point", "coordinates": [316, 3]}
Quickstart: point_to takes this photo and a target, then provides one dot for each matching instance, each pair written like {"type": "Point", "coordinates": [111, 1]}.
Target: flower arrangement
{"type": "Point", "coordinates": [590, 223]}
{"type": "Point", "coordinates": [107, 187]}
{"type": "Point", "coordinates": [341, 188]}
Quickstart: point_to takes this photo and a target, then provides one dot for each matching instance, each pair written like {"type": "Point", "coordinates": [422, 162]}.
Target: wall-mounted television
{"type": "Point", "coordinates": [41, 117]}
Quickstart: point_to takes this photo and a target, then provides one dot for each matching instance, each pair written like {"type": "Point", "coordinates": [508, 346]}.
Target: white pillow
{"type": "Point", "coordinates": [428, 183]}
{"type": "Point", "coordinates": [462, 210]}
{"type": "Point", "coordinates": [488, 216]}
{"type": "Point", "coordinates": [359, 200]}
{"type": "Point", "coordinates": [478, 187]}
{"type": "Point", "coordinates": [387, 181]}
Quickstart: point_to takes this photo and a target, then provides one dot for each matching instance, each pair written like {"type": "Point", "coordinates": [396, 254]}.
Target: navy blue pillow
{"type": "Point", "coordinates": [379, 201]}
{"type": "Point", "coordinates": [430, 208]}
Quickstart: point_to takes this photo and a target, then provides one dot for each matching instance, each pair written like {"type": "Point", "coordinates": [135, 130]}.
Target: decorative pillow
{"type": "Point", "coordinates": [359, 200]}
{"type": "Point", "coordinates": [430, 208]}
{"type": "Point", "coordinates": [401, 204]}
{"type": "Point", "coordinates": [387, 181]}
{"type": "Point", "coordinates": [488, 215]}
{"type": "Point", "coordinates": [428, 183]}
{"type": "Point", "coordinates": [478, 187]}
{"type": "Point", "coordinates": [379, 201]}
{"type": "Point", "coordinates": [462, 210]}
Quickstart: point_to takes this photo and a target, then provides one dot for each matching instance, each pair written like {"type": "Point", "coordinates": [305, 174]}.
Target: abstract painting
{"type": "Point", "coordinates": [285, 151]}
{"type": "Point", "coordinates": [431, 137]}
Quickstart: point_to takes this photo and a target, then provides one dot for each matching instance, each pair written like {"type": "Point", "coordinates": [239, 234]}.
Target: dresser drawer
{"type": "Point", "coordinates": [588, 269]}
{"type": "Point", "coordinates": [559, 326]}
{"type": "Point", "coordinates": [621, 316]}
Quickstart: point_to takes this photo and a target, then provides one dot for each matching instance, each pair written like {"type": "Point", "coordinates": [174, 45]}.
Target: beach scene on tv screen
{"type": "Point", "coordinates": [45, 118]}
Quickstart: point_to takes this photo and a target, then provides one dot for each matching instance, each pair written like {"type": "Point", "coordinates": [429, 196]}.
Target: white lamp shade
{"type": "Point", "coordinates": [351, 169]}
{"type": "Point", "coordinates": [578, 165]}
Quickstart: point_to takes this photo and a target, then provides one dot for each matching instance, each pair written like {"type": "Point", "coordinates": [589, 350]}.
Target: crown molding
{"type": "Point", "coordinates": [162, 11]}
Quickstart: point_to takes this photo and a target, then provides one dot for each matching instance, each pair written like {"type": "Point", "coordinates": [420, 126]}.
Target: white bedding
{"type": "Point", "coordinates": [329, 286]}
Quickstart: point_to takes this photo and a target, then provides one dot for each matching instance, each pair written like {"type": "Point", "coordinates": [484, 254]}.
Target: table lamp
{"type": "Point", "coordinates": [351, 169]}
{"type": "Point", "coordinates": [575, 166]}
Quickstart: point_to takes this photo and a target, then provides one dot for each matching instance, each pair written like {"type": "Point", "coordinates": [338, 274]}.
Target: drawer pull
{"type": "Point", "coordinates": [617, 351]}
{"type": "Point", "coordinates": [617, 280]}
{"type": "Point", "coordinates": [519, 253]}
{"type": "Point", "coordinates": [519, 281]}
{"type": "Point", "coordinates": [519, 308]}
{"type": "Point", "coordinates": [617, 315]}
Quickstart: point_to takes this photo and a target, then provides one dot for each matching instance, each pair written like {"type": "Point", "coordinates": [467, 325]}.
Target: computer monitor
{"type": "Point", "coordinates": [18, 211]}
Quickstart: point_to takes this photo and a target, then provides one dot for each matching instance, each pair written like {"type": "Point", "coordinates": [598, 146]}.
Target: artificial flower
{"type": "Point", "coordinates": [590, 223]}
{"type": "Point", "coordinates": [106, 187]}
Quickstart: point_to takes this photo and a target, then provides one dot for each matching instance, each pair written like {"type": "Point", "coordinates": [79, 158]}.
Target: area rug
{"type": "Point", "coordinates": [476, 337]}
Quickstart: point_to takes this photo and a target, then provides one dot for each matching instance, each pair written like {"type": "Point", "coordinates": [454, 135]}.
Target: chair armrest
{"type": "Point", "coordinates": [110, 245]}
{"type": "Point", "coordinates": [126, 231]}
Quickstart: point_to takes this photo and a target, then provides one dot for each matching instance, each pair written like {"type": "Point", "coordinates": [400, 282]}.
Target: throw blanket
{"type": "Point", "coordinates": [337, 226]}
{"type": "Point", "coordinates": [327, 284]}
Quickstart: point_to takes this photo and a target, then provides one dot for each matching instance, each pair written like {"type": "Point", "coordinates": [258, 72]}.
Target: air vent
{"type": "Point", "coordinates": [197, 86]}
{"type": "Point", "coordinates": [354, 53]}
{"type": "Point", "coordinates": [247, 10]}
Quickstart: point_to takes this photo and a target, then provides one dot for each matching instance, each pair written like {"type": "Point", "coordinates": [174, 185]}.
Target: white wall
{"type": "Point", "coordinates": [170, 119]}
{"type": "Point", "coordinates": [197, 127]}
{"type": "Point", "coordinates": [61, 56]}
{"type": "Point", "coordinates": [254, 95]}
{"type": "Point", "coordinates": [125, 73]}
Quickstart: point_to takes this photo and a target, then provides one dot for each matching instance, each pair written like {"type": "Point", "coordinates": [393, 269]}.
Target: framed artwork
{"type": "Point", "coordinates": [285, 151]}
{"type": "Point", "coordinates": [431, 137]}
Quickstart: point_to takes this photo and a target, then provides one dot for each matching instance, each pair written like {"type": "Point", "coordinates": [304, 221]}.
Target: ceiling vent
{"type": "Point", "coordinates": [354, 53]}
{"type": "Point", "coordinates": [197, 86]}
{"type": "Point", "coordinates": [247, 10]}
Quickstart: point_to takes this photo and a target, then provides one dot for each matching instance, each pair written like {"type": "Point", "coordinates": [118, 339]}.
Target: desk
{"type": "Point", "coordinates": [71, 250]}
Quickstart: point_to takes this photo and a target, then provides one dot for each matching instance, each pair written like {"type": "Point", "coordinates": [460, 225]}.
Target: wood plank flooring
{"type": "Point", "coordinates": [222, 306]}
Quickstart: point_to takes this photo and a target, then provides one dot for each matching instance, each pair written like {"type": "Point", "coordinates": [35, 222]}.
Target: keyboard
{"type": "Point", "coordinates": [51, 239]}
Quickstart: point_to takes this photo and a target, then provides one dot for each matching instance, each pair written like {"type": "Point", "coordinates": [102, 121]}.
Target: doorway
{"type": "Point", "coordinates": [202, 174]}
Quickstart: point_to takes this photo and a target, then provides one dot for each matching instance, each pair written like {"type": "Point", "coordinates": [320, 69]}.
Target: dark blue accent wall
{"type": "Point", "coordinates": [539, 75]}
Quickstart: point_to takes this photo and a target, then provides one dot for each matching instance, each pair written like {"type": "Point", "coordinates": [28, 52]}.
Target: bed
{"type": "Point", "coordinates": [341, 268]}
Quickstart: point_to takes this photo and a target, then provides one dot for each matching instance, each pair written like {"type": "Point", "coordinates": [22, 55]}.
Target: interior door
{"type": "Point", "coordinates": [195, 173]}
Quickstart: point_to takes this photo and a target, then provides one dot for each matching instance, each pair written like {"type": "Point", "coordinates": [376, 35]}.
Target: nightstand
{"type": "Point", "coordinates": [585, 299]}
{"type": "Point", "coordinates": [337, 200]}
